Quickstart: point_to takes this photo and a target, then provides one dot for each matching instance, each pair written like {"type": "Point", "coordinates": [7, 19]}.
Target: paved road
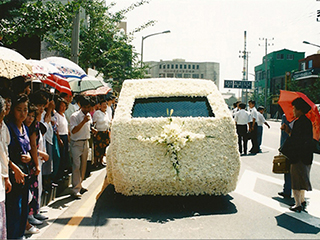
{"type": "Point", "coordinates": [252, 211]}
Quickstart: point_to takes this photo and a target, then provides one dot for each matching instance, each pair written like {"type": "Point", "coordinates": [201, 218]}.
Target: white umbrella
{"type": "Point", "coordinates": [13, 64]}
{"type": "Point", "coordinates": [67, 68]}
{"type": "Point", "coordinates": [9, 54]}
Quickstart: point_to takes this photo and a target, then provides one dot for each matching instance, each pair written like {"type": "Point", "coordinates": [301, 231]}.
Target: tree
{"type": "Point", "coordinates": [311, 90]}
{"type": "Point", "coordinates": [102, 44]}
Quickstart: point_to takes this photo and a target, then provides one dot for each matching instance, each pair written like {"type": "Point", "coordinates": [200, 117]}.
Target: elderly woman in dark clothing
{"type": "Point", "coordinates": [298, 148]}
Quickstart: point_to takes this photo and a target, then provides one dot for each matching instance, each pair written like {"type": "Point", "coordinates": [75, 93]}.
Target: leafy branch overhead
{"type": "Point", "coordinates": [103, 46]}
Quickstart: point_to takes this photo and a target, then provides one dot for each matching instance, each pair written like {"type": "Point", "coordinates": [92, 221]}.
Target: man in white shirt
{"type": "Point", "coordinates": [242, 119]}
{"type": "Point", "coordinates": [260, 121]}
{"type": "Point", "coordinates": [253, 127]}
{"type": "Point", "coordinates": [80, 124]}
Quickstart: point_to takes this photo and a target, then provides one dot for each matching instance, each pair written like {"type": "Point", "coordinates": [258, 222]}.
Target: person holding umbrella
{"type": "Point", "coordinates": [298, 148]}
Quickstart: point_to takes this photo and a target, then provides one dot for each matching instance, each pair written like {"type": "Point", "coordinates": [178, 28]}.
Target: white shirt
{"type": "Point", "coordinates": [62, 123]}
{"type": "Point", "coordinates": [109, 112]}
{"type": "Point", "coordinates": [234, 111]}
{"type": "Point", "coordinates": [70, 110]}
{"type": "Point", "coordinates": [242, 117]}
{"type": "Point", "coordinates": [102, 120]}
{"type": "Point", "coordinates": [4, 158]}
{"type": "Point", "coordinates": [48, 136]}
{"type": "Point", "coordinates": [253, 114]}
{"type": "Point", "coordinates": [84, 132]}
{"type": "Point", "coordinates": [260, 119]}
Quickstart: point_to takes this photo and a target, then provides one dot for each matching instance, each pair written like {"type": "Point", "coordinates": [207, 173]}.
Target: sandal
{"type": "Point", "coordinates": [32, 230]}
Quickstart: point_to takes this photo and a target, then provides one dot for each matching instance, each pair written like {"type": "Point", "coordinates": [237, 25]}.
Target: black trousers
{"type": "Point", "coordinates": [254, 139]}
{"type": "Point", "coordinates": [242, 137]}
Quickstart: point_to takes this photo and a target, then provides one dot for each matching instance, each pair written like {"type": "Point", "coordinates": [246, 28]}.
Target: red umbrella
{"type": "Point", "coordinates": [99, 91]}
{"type": "Point", "coordinates": [286, 98]}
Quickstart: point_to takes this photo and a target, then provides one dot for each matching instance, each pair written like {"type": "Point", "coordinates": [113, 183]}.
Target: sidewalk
{"type": "Point", "coordinates": [62, 203]}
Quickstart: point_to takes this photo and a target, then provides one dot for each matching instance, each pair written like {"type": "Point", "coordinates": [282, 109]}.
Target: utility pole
{"type": "Point", "coordinates": [266, 44]}
{"type": "Point", "coordinates": [75, 38]}
{"type": "Point", "coordinates": [245, 66]}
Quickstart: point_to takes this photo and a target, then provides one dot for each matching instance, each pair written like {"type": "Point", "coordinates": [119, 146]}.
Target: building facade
{"type": "Point", "coordinates": [309, 70]}
{"type": "Point", "coordinates": [279, 65]}
{"type": "Point", "coordinates": [179, 68]}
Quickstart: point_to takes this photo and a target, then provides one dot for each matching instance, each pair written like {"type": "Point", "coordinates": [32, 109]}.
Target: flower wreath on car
{"type": "Point", "coordinates": [174, 139]}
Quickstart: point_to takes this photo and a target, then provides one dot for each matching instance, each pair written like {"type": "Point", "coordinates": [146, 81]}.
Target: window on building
{"type": "Point", "coordinates": [176, 66]}
{"type": "Point", "coordinates": [195, 75]}
{"type": "Point", "coordinates": [185, 66]}
{"type": "Point", "coordinates": [290, 57]}
{"type": "Point", "coordinates": [164, 66]}
{"type": "Point", "coordinates": [172, 66]}
{"type": "Point", "coordinates": [160, 66]}
{"type": "Point", "coordinates": [180, 66]}
{"type": "Point", "coordinates": [187, 75]}
{"type": "Point", "coordinates": [310, 64]}
{"type": "Point", "coordinates": [202, 76]}
{"type": "Point", "coordinates": [193, 67]}
{"type": "Point", "coordinates": [162, 75]}
{"type": "Point", "coordinates": [179, 75]}
{"type": "Point", "coordinates": [280, 56]}
{"type": "Point", "coordinates": [168, 66]}
{"type": "Point", "coordinates": [169, 75]}
{"type": "Point", "coordinates": [197, 66]}
{"type": "Point", "coordinates": [303, 66]}
{"type": "Point", "coordinates": [189, 66]}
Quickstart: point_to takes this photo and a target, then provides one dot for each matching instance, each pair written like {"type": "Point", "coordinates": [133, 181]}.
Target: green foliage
{"type": "Point", "coordinates": [311, 90]}
{"type": "Point", "coordinates": [102, 44]}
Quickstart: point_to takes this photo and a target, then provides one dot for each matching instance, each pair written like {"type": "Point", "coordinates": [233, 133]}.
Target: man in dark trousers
{"type": "Point", "coordinates": [242, 119]}
{"type": "Point", "coordinates": [253, 127]}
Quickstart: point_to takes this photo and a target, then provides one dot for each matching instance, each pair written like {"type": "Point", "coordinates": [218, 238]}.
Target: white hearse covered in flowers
{"type": "Point", "coordinates": [172, 137]}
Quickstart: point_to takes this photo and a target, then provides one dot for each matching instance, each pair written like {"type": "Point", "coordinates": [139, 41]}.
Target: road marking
{"type": "Point", "coordinates": [246, 186]}
{"type": "Point", "coordinates": [74, 222]}
{"type": "Point", "coordinates": [273, 149]}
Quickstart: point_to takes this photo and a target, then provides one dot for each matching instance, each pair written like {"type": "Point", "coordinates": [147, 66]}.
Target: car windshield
{"type": "Point", "coordinates": [182, 107]}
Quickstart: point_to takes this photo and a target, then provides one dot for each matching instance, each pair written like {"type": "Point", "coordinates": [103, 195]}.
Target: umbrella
{"type": "Point", "coordinates": [11, 69]}
{"type": "Point", "coordinates": [50, 75]}
{"type": "Point", "coordinates": [67, 68]}
{"type": "Point", "coordinates": [9, 54]}
{"type": "Point", "coordinates": [84, 84]}
{"type": "Point", "coordinates": [13, 64]}
{"type": "Point", "coordinates": [99, 91]}
{"type": "Point", "coordinates": [285, 100]}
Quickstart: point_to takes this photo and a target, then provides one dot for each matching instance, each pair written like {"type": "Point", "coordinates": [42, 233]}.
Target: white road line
{"type": "Point", "coordinates": [246, 188]}
{"type": "Point", "coordinates": [262, 146]}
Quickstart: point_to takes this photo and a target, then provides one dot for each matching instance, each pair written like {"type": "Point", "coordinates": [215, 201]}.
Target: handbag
{"type": "Point", "coordinates": [281, 164]}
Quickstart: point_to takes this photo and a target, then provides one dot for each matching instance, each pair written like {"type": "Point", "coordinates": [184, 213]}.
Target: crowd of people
{"type": "Point", "coordinates": [38, 130]}
{"type": "Point", "coordinates": [249, 125]}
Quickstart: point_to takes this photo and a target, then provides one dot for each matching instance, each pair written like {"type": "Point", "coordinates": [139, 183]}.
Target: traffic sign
{"type": "Point", "coordinates": [238, 84]}
{"type": "Point", "coordinates": [228, 83]}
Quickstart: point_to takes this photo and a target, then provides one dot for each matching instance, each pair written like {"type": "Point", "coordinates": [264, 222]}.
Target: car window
{"type": "Point", "coordinates": [182, 107]}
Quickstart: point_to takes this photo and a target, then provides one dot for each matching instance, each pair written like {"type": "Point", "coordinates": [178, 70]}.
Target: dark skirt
{"type": "Point", "coordinates": [300, 176]}
{"type": "Point", "coordinates": [101, 141]}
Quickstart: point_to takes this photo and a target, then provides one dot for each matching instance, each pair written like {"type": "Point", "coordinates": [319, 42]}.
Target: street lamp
{"type": "Point", "coordinates": [143, 38]}
{"type": "Point", "coordinates": [311, 44]}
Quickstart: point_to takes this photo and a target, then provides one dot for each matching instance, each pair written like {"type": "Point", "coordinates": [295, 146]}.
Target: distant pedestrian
{"type": "Point", "coordinates": [242, 119]}
{"type": "Point", "coordinates": [253, 127]}
{"type": "Point", "coordinates": [260, 121]}
{"type": "Point", "coordinates": [285, 124]}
